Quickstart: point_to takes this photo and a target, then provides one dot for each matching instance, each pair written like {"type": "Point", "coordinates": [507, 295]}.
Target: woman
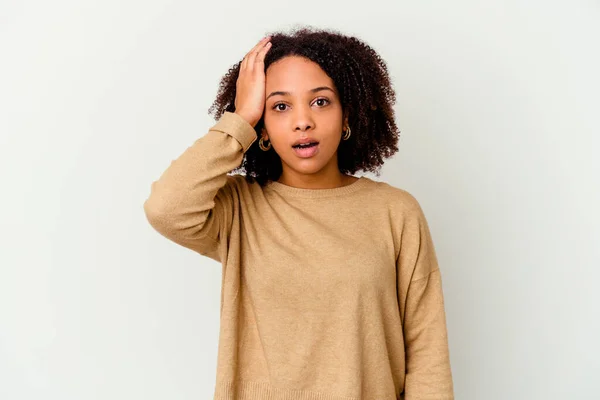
{"type": "Point", "coordinates": [331, 287]}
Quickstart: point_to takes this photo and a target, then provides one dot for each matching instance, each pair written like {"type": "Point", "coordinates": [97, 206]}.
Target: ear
{"type": "Point", "coordinates": [264, 133]}
{"type": "Point", "coordinates": [345, 120]}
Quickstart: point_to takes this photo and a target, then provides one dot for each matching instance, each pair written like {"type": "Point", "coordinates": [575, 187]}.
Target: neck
{"type": "Point", "coordinates": [315, 181]}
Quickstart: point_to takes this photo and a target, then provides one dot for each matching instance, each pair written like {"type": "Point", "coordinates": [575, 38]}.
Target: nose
{"type": "Point", "coordinates": [303, 119]}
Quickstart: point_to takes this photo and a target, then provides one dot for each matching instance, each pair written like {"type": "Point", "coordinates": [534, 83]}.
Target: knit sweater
{"type": "Point", "coordinates": [326, 294]}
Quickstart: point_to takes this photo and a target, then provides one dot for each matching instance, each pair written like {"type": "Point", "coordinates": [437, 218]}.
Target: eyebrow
{"type": "Point", "coordinates": [315, 90]}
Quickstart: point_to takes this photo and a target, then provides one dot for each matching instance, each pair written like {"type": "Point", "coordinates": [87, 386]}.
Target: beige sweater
{"type": "Point", "coordinates": [327, 294]}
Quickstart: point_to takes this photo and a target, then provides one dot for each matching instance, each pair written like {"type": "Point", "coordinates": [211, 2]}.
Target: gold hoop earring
{"type": "Point", "coordinates": [261, 144]}
{"type": "Point", "coordinates": [347, 134]}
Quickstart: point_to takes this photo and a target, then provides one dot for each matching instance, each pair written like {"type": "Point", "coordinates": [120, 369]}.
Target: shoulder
{"type": "Point", "coordinates": [240, 181]}
{"type": "Point", "coordinates": [238, 184]}
{"type": "Point", "coordinates": [407, 218]}
{"type": "Point", "coordinates": [410, 228]}
{"type": "Point", "coordinates": [236, 180]}
{"type": "Point", "coordinates": [399, 201]}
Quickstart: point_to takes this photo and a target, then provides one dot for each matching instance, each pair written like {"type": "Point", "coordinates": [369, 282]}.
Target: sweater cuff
{"type": "Point", "coordinates": [236, 126]}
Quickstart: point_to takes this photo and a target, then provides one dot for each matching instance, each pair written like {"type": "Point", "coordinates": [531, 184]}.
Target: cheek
{"type": "Point", "coordinates": [332, 143]}
{"type": "Point", "coordinates": [274, 127]}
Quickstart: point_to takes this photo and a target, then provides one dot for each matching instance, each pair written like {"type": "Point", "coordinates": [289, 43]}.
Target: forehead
{"type": "Point", "coordinates": [296, 74]}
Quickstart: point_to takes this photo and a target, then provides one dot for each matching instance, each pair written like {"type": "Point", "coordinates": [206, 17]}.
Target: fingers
{"type": "Point", "coordinates": [260, 57]}
{"type": "Point", "coordinates": [252, 55]}
{"type": "Point", "coordinates": [245, 60]}
{"type": "Point", "coordinates": [249, 59]}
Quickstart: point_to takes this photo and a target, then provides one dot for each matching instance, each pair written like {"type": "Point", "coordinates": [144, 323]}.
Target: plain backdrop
{"type": "Point", "coordinates": [498, 107]}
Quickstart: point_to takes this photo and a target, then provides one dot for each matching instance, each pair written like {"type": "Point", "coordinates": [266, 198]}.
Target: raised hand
{"type": "Point", "coordinates": [250, 85]}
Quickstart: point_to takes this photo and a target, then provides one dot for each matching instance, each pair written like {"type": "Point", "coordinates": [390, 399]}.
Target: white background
{"type": "Point", "coordinates": [498, 108]}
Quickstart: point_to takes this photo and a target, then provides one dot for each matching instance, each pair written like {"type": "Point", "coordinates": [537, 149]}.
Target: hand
{"type": "Point", "coordinates": [250, 85]}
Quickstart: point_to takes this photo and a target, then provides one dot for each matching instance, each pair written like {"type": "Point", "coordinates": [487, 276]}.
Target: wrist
{"type": "Point", "coordinates": [251, 121]}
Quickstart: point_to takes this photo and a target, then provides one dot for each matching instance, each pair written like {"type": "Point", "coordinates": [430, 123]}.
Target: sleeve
{"type": "Point", "coordinates": [420, 295]}
{"type": "Point", "coordinates": [192, 201]}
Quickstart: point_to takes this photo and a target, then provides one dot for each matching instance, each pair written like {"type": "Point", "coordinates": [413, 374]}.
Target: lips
{"type": "Point", "coordinates": [304, 142]}
{"type": "Point", "coordinates": [305, 145]}
{"type": "Point", "coordinates": [307, 151]}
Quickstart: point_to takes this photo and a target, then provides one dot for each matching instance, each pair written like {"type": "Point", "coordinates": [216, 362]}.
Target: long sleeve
{"type": "Point", "coordinates": [192, 203]}
{"type": "Point", "coordinates": [428, 371]}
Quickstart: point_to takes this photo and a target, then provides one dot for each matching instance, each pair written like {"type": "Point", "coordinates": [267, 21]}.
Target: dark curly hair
{"type": "Point", "coordinates": [366, 94]}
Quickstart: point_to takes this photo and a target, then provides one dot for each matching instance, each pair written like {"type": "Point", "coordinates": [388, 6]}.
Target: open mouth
{"type": "Point", "coordinates": [306, 150]}
{"type": "Point", "coordinates": [305, 146]}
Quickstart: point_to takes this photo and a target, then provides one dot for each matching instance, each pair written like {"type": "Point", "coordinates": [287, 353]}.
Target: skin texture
{"type": "Point", "coordinates": [298, 113]}
{"type": "Point", "coordinates": [297, 62]}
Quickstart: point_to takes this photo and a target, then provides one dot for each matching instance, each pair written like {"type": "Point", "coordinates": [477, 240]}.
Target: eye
{"type": "Point", "coordinates": [322, 100]}
{"type": "Point", "coordinates": [275, 107]}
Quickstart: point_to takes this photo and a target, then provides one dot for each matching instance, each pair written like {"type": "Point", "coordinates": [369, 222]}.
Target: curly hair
{"type": "Point", "coordinates": [366, 95]}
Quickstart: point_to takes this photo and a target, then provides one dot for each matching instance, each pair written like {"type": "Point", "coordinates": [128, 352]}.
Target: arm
{"type": "Point", "coordinates": [192, 203]}
{"type": "Point", "coordinates": [428, 372]}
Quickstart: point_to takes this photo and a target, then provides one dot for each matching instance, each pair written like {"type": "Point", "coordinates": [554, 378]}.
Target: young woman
{"type": "Point", "coordinates": [330, 287]}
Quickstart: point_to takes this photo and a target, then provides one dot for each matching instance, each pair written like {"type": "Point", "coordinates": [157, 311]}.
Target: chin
{"type": "Point", "coordinates": [306, 166]}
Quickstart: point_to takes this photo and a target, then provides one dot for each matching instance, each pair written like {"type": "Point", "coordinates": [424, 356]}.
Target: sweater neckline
{"type": "Point", "coordinates": [316, 193]}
